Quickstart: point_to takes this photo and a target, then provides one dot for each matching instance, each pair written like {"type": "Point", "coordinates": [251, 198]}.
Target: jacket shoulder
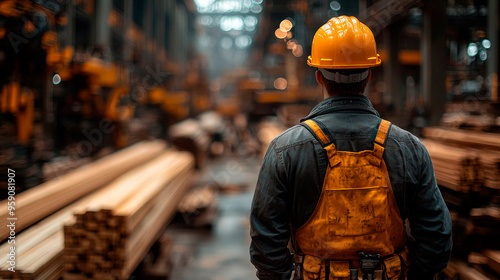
{"type": "Point", "coordinates": [294, 135]}
{"type": "Point", "coordinates": [406, 139]}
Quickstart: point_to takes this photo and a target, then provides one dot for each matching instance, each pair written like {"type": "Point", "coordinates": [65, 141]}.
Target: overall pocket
{"type": "Point", "coordinates": [392, 268]}
{"type": "Point", "coordinates": [339, 270]}
{"type": "Point", "coordinates": [312, 268]}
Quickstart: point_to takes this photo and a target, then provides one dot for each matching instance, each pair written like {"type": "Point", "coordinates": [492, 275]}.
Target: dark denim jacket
{"type": "Point", "coordinates": [291, 179]}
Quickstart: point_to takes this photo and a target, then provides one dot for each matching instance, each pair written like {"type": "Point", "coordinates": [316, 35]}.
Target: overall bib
{"type": "Point", "coordinates": [356, 212]}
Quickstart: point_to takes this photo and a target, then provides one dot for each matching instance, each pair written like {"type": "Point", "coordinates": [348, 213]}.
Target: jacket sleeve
{"type": "Point", "coordinates": [430, 224]}
{"type": "Point", "coordinates": [269, 221]}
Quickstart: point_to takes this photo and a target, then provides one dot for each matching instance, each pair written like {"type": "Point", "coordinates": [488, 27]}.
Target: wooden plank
{"type": "Point", "coordinates": [39, 202]}
{"type": "Point", "coordinates": [460, 270]}
{"type": "Point", "coordinates": [455, 168]}
{"type": "Point", "coordinates": [466, 138]}
{"type": "Point", "coordinates": [71, 232]}
{"type": "Point", "coordinates": [124, 220]}
{"type": "Point", "coordinates": [493, 259]}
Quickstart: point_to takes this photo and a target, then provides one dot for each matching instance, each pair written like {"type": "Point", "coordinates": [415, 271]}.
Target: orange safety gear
{"type": "Point", "coordinates": [356, 212]}
{"type": "Point", "coordinates": [344, 43]}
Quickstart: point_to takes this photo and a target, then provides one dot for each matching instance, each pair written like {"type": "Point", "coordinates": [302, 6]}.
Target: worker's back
{"type": "Point", "coordinates": [294, 169]}
{"type": "Point", "coordinates": [327, 183]}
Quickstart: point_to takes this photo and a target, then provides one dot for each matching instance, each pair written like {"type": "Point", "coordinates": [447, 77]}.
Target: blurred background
{"type": "Point", "coordinates": [131, 132]}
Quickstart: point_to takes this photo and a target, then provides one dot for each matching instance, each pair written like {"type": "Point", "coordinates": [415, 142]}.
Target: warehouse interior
{"type": "Point", "coordinates": [132, 132]}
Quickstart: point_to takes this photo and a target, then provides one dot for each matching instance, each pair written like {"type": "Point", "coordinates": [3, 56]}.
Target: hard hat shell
{"type": "Point", "coordinates": [344, 43]}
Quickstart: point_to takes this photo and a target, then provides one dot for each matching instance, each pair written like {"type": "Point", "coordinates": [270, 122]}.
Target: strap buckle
{"type": "Point", "coordinates": [298, 260]}
{"type": "Point", "coordinates": [368, 263]}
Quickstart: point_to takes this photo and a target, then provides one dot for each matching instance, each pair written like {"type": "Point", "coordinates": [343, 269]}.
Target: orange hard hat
{"type": "Point", "coordinates": [344, 43]}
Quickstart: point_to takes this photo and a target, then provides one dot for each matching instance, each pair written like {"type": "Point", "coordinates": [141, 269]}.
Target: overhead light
{"type": "Point", "coordinates": [206, 20]}
{"type": "Point", "coordinates": [280, 83]}
{"type": "Point", "coordinates": [291, 44]}
{"type": "Point", "coordinates": [228, 23]}
{"type": "Point", "coordinates": [226, 43]}
{"type": "Point", "coordinates": [286, 25]}
{"type": "Point", "coordinates": [335, 5]}
{"type": "Point", "coordinates": [486, 43]}
{"type": "Point", "coordinates": [242, 42]}
{"type": "Point", "coordinates": [472, 50]}
{"type": "Point", "coordinates": [250, 21]}
{"type": "Point", "coordinates": [56, 79]}
{"type": "Point", "coordinates": [256, 9]}
{"type": "Point", "coordinates": [483, 54]}
{"type": "Point", "coordinates": [297, 50]}
{"type": "Point", "coordinates": [280, 33]}
{"type": "Point", "coordinates": [203, 3]}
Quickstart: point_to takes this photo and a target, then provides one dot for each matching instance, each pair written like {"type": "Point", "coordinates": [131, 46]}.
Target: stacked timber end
{"type": "Point", "coordinates": [108, 238]}
{"type": "Point", "coordinates": [455, 168]}
{"type": "Point", "coordinates": [111, 228]}
{"type": "Point", "coordinates": [467, 168]}
{"type": "Point", "coordinates": [39, 202]}
{"type": "Point", "coordinates": [464, 161]}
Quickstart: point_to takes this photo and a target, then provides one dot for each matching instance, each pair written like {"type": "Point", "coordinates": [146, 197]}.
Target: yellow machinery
{"type": "Point", "coordinates": [173, 102]}
{"type": "Point", "coordinates": [87, 86]}
{"type": "Point", "coordinates": [21, 103]}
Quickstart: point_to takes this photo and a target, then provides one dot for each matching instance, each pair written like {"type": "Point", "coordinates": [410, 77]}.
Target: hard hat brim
{"type": "Point", "coordinates": [346, 66]}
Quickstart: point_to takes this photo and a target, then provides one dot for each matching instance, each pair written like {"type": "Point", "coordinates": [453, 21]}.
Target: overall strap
{"type": "Point", "coordinates": [382, 131]}
{"type": "Point", "coordinates": [379, 139]}
{"type": "Point", "coordinates": [319, 130]}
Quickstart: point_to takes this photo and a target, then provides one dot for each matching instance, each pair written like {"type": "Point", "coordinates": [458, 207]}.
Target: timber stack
{"type": "Point", "coordinates": [464, 138]}
{"type": "Point", "coordinates": [455, 168]}
{"type": "Point", "coordinates": [39, 202]}
{"type": "Point", "coordinates": [108, 238]}
{"type": "Point", "coordinates": [40, 248]}
{"type": "Point", "coordinates": [475, 154]}
{"type": "Point", "coordinates": [190, 136]}
{"type": "Point", "coordinates": [467, 167]}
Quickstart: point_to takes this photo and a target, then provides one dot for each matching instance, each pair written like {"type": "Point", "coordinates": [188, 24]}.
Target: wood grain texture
{"type": "Point", "coordinates": [43, 200]}
{"type": "Point", "coordinates": [88, 228]}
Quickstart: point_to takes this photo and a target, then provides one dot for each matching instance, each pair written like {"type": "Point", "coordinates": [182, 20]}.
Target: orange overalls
{"type": "Point", "coordinates": [356, 212]}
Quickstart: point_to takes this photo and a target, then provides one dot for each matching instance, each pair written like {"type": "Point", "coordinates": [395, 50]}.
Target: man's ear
{"type": "Point", "coordinates": [369, 74]}
{"type": "Point", "coordinates": [319, 77]}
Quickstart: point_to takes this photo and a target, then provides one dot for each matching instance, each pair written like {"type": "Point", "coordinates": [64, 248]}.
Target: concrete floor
{"type": "Point", "coordinates": [219, 252]}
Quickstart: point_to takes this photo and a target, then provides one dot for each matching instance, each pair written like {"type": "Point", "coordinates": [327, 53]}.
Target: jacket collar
{"type": "Point", "coordinates": [358, 103]}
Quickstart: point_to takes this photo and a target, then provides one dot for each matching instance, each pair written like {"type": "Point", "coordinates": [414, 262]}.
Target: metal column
{"type": "Point", "coordinates": [492, 62]}
{"type": "Point", "coordinates": [127, 25]}
{"type": "Point", "coordinates": [392, 68]}
{"type": "Point", "coordinates": [102, 30]}
{"type": "Point", "coordinates": [433, 48]}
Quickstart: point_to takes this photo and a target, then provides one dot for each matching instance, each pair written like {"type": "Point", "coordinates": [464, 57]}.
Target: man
{"type": "Point", "coordinates": [340, 185]}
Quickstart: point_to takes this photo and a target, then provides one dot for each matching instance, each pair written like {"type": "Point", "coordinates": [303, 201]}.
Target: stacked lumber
{"type": "Point", "coordinates": [62, 165]}
{"type": "Point", "coordinates": [467, 138]}
{"type": "Point", "coordinates": [455, 168]}
{"type": "Point", "coordinates": [198, 199]}
{"type": "Point", "coordinates": [107, 238]}
{"type": "Point", "coordinates": [39, 249]}
{"type": "Point", "coordinates": [190, 136]}
{"type": "Point", "coordinates": [39, 202]}
{"type": "Point", "coordinates": [490, 161]}
{"type": "Point", "coordinates": [199, 207]}
{"type": "Point", "coordinates": [486, 147]}
{"type": "Point", "coordinates": [460, 270]}
{"type": "Point", "coordinates": [493, 260]}
{"type": "Point", "coordinates": [158, 266]}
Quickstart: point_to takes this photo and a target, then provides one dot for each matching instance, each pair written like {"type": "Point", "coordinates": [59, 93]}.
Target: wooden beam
{"type": "Point", "coordinates": [43, 200]}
